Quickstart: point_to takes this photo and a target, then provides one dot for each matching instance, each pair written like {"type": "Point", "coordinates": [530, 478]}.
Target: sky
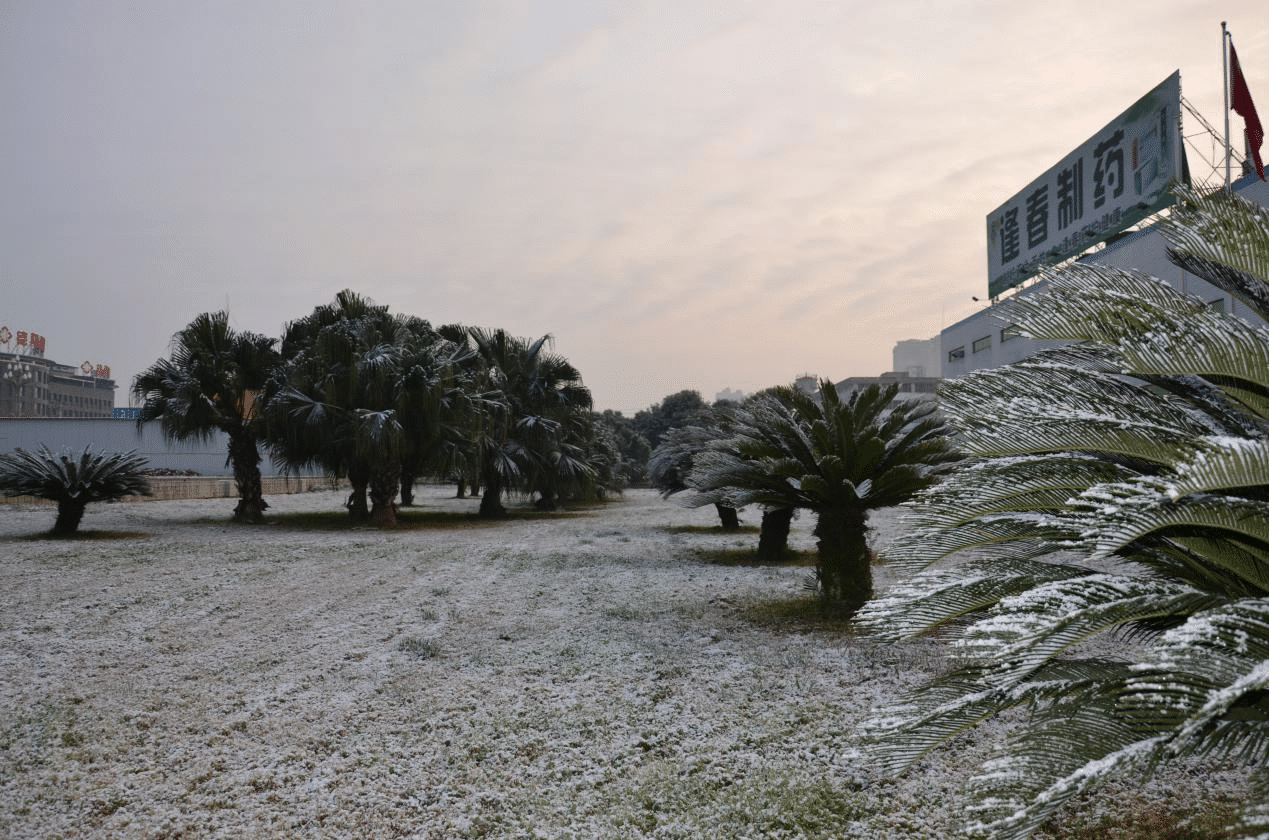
{"type": "Point", "coordinates": [685, 194]}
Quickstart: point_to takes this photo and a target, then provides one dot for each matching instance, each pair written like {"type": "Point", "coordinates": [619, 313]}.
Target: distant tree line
{"type": "Point", "coordinates": [383, 399]}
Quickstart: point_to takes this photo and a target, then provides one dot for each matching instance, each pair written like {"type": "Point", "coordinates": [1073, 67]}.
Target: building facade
{"type": "Point", "coordinates": [33, 386]}
{"type": "Point", "coordinates": [986, 339]}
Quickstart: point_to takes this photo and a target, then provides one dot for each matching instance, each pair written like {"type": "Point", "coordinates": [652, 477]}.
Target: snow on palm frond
{"type": "Point", "coordinates": [1118, 485]}
{"type": "Point", "coordinates": [1223, 238]}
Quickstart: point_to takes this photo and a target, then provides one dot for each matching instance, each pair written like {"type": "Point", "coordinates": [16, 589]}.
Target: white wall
{"type": "Point", "coordinates": [108, 435]}
{"type": "Point", "coordinates": [918, 357]}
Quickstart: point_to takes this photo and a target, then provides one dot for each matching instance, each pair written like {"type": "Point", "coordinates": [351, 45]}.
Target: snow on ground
{"type": "Point", "coordinates": [580, 675]}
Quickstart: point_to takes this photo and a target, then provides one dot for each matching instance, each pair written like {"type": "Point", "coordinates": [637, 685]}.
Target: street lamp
{"type": "Point", "coordinates": [18, 373]}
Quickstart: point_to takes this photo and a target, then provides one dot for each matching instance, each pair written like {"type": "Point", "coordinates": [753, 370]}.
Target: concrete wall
{"type": "Point", "coordinates": [208, 458]}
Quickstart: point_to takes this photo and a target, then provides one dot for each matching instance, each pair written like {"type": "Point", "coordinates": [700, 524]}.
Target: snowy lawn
{"type": "Point", "coordinates": [590, 674]}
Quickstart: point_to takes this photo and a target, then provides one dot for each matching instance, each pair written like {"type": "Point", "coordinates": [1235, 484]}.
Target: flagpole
{"type": "Point", "coordinates": [1225, 85]}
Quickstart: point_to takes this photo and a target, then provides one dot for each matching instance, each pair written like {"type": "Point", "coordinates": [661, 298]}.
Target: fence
{"type": "Point", "coordinates": [168, 487]}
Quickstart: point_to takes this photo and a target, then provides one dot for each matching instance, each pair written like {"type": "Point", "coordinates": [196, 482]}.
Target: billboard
{"type": "Point", "coordinates": [1114, 180]}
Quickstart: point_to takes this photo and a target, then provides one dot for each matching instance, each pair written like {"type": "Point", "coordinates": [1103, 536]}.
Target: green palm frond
{"type": "Point", "coordinates": [1118, 488]}
{"type": "Point", "coordinates": [919, 549]}
{"type": "Point", "coordinates": [90, 476]}
{"type": "Point", "coordinates": [940, 596]}
{"type": "Point", "coordinates": [1024, 630]}
{"type": "Point", "coordinates": [1222, 229]}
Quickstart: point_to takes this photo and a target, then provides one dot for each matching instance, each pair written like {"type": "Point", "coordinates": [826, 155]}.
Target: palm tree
{"type": "Point", "coordinates": [210, 383]}
{"type": "Point", "coordinates": [72, 483]}
{"type": "Point", "coordinates": [839, 458]}
{"type": "Point", "coordinates": [1118, 487]}
{"type": "Point", "coordinates": [541, 410]}
{"type": "Point", "coordinates": [366, 395]}
{"type": "Point", "coordinates": [671, 462]}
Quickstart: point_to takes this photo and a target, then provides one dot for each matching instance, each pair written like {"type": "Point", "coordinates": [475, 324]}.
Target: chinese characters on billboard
{"type": "Point", "coordinates": [1111, 182]}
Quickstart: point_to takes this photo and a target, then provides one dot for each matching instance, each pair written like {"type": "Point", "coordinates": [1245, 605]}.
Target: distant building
{"type": "Point", "coordinates": [910, 387]}
{"type": "Point", "coordinates": [33, 386]}
{"type": "Point", "coordinates": [807, 383]}
{"type": "Point", "coordinates": [917, 357]}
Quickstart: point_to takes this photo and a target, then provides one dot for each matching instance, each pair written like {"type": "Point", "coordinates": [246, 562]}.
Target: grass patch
{"type": "Point", "coordinates": [1135, 820]}
{"type": "Point", "coordinates": [799, 613]}
{"type": "Point", "coordinates": [673, 802]}
{"type": "Point", "coordinates": [420, 648]}
{"type": "Point", "coordinates": [711, 529]}
{"type": "Point", "coordinates": [87, 536]}
{"type": "Point", "coordinates": [409, 519]}
{"type": "Point", "coordinates": [749, 557]}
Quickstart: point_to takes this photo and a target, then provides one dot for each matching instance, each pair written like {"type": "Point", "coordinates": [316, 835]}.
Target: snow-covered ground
{"type": "Point", "coordinates": [581, 675]}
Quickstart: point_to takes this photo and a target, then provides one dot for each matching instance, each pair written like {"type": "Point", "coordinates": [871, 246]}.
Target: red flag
{"type": "Point", "coordinates": [1242, 104]}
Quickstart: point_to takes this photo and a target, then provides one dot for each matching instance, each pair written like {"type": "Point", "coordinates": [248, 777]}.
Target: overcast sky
{"type": "Point", "coordinates": [686, 194]}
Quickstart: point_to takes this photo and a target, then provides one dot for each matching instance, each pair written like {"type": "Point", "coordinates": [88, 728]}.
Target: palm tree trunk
{"type": "Point", "coordinates": [407, 489]}
{"type": "Point", "coordinates": [547, 499]}
{"type": "Point", "coordinates": [773, 540]}
{"type": "Point", "coordinates": [384, 483]}
{"type": "Point", "coordinates": [69, 514]}
{"type": "Point", "coordinates": [491, 501]}
{"type": "Point", "coordinates": [358, 509]}
{"type": "Point", "coordinates": [244, 456]}
{"type": "Point", "coordinates": [845, 567]}
{"type": "Point", "coordinates": [729, 517]}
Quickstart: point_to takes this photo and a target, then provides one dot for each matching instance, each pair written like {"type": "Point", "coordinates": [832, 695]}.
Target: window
{"type": "Point", "coordinates": [957, 355]}
{"type": "Point", "coordinates": [1010, 332]}
{"type": "Point", "coordinates": [1217, 305]}
{"type": "Point", "coordinates": [981, 344]}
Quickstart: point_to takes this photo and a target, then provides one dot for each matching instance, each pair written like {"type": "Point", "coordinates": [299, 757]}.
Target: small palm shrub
{"type": "Point", "coordinates": [839, 457]}
{"type": "Point", "coordinates": [72, 482]}
{"type": "Point", "coordinates": [671, 462]}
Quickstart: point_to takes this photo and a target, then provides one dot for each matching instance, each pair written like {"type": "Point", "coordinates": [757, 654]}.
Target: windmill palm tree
{"type": "Point", "coordinates": [838, 458]}
{"type": "Point", "coordinates": [211, 382]}
{"type": "Point", "coordinates": [364, 395]}
{"type": "Point", "coordinates": [541, 410]}
{"type": "Point", "coordinates": [1119, 485]}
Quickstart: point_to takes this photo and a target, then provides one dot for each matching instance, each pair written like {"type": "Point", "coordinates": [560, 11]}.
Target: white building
{"type": "Point", "coordinates": [986, 339]}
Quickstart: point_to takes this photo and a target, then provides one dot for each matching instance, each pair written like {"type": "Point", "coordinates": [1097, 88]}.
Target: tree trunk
{"type": "Point", "coordinates": [491, 502]}
{"type": "Point", "coordinates": [547, 500]}
{"type": "Point", "coordinates": [729, 516]}
{"type": "Point", "coordinates": [358, 509]}
{"type": "Point", "coordinates": [244, 456]}
{"type": "Point", "coordinates": [773, 540]}
{"type": "Point", "coordinates": [845, 566]}
{"type": "Point", "coordinates": [407, 489]}
{"type": "Point", "coordinates": [69, 513]}
{"type": "Point", "coordinates": [384, 483]}
{"type": "Point", "coordinates": [462, 489]}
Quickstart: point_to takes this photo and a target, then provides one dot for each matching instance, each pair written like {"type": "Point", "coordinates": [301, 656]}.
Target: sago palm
{"type": "Point", "coordinates": [840, 458]}
{"type": "Point", "coordinates": [72, 482]}
{"type": "Point", "coordinates": [1119, 488]}
{"type": "Point", "coordinates": [670, 463]}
